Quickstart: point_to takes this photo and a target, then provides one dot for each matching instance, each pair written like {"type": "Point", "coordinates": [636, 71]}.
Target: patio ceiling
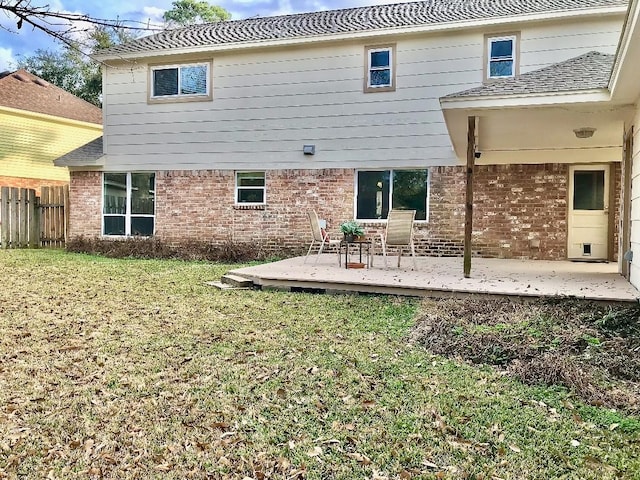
{"type": "Point", "coordinates": [538, 133]}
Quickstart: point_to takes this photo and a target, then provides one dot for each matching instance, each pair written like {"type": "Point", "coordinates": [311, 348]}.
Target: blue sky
{"type": "Point", "coordinates": [14, 43]}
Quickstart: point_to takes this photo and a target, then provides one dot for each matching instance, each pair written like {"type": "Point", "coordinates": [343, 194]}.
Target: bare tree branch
{"type": "Point", "coordinates": [64, 27]}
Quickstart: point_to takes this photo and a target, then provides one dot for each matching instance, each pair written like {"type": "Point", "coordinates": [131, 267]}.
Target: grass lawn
{"type": "Point", "coordinates": [137, 369]}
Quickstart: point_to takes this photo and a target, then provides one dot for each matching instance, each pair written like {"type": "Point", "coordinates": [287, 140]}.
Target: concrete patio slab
{"type": "Point", "coordinates": [443, 277]}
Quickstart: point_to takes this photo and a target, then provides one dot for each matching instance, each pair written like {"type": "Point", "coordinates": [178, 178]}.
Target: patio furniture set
{"type": "Point", "coordinates": [398, 234]}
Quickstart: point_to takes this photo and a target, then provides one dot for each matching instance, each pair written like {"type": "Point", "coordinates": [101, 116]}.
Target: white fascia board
{"type": "Point", "coordinates": [416, 29]}
{"type": "Point", "coordinates": [528, 100]}
{"type": "Point", "coordinates": [628, 40]}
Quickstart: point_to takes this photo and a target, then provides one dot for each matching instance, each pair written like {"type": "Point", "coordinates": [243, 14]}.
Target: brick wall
{"type": "Point", "coordinates": [206, 199]}
{"type": "Point", "coordinates": [34, 183]}
{"type": "Point", "coordinates": [85, 201]}
{"type": "Point", "coordinates": [520, 210]}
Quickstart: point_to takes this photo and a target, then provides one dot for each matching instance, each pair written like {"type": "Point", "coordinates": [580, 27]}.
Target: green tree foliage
{"type": "Point", "coordinates": [71, 68]}
{"type": "Point", "coordinates": [189, 12]}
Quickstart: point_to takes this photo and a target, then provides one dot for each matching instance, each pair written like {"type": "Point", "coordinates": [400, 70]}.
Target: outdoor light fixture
{"type": "Point", "coordinates": [309, 149]}
{"type": "Point", "coordinates": [584, 132]}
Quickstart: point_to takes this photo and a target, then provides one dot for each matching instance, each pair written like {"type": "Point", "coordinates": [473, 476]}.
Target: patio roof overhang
{"type": "Point", "coordinates": [539, 128]}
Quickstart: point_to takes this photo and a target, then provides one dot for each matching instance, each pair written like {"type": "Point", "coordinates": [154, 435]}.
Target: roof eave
{"type": "Point", "coordinates": [50, 118]}
{"type": "Point", "coordinates": [62, 162]}
{"type": "Point", "coordinates": [623, 82]}
{"type": "Point", "coordinates": [412, 30]}
{"type": "Point", "coordinates": [525, 100]}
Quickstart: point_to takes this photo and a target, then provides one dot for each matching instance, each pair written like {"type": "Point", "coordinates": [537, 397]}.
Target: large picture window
{"type": "Point", "coordinates": [379, 191]}
{"type": "Point", "coordinates": [128, 204]}
{"type": "Point", "coordinates": [250, 188]}
{"type": "Point", "coordinates": [180, 81]}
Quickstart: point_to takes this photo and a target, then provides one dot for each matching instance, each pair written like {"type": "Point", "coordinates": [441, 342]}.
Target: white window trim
{"type": "Point", "coordinates": [180, 96]}
{"type": "Point", "coordinates": [368, 87]}
{"type": "Point", "coordinates": [384, 220]}
{"type": "Point", "coordinates": [127, 215]}
{"type": "Point", "coordinates": [513, 57]}
{"type": "Point", "coordinates": [238, 188]}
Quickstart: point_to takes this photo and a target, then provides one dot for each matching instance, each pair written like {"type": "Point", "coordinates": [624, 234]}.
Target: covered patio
{"type": "Point", "coordinates": [443, 276]}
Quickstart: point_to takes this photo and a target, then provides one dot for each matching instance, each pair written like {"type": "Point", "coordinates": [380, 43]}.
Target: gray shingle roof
{"type": "Point", "coordinates": [88, 154]}
{"type": "Point", "coordinates": [348, 20]}
{"type": "Point", "coordinates": [586, 72]}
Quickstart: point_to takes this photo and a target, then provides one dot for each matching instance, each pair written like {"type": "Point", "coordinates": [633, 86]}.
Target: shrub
{"type": "Point", "coordinates": [231, 252]}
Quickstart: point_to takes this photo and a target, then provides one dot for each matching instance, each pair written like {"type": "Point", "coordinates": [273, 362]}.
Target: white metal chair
{"type": "Point", "coordinates": [399, 233]}
{"type": "Point", "coordinates": [319, 236]}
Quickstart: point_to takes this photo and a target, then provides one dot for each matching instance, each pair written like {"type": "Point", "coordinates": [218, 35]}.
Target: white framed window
{"type": "Point", "coordinates": [378, 191]}
{"type": "Point", "coordinates": [251, 188]}
{"type": "Point", "coordinates": [380, 69]}
{"type": "Point", "coordinates": [128, 204]}
{"type": "Point", "coordinates": [180, 82]}
{"type": "Point", "coordinates": [501, 55]}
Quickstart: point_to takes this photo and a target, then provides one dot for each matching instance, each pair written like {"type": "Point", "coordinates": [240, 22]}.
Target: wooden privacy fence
{"type": "Point", "coordinates": [27, 221]}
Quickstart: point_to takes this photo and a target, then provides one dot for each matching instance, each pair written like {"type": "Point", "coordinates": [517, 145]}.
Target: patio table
{"type": "Point", "coordinates": [360, 242]}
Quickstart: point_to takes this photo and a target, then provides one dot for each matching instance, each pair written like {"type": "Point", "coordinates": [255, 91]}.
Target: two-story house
{"type": "Point", "coordinates": [233, 131]}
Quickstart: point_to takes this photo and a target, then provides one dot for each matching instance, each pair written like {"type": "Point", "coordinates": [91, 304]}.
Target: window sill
{"type": "Point", "coordinates": [125, 237]}
{"type": "Point", "coordinates": [249, 207]}
{"type": "Point", "coordinates": [383, 222]}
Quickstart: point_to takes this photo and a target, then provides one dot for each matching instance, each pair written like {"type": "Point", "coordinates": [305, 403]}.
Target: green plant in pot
{"type": "Point", "coordinates": [351, 230]}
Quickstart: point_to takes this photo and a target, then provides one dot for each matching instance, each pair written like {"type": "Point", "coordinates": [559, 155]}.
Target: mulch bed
{"type": "Point", "coordinates": [591, 348]}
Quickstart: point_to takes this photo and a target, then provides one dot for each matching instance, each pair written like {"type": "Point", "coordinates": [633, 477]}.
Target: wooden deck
{"type": "Point", "coordinates": [444, 277]}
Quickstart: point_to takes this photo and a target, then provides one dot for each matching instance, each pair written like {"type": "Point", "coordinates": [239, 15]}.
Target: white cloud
{"type": "Point", "coordinates": [153, 16]}
{"type": "Point", "coordinates": [7, 60]}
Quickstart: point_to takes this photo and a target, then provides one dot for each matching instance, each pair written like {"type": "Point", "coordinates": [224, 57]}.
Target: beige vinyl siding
{"type": "Point", "coordinates": [634, 269]}
{"type": "Point", "coordinates": [547, 44]}
{"type": "Point", "coordinates": [268, 103]}
{"type": "Point", "coordinates": [29, 143]}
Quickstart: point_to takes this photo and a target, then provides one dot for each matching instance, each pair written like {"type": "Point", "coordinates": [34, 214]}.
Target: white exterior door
{"type": "Point", "coordinates": [588, 228]}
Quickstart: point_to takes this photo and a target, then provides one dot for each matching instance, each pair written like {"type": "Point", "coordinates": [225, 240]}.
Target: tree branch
{"type": "Point", "coordinates": [61, 25]}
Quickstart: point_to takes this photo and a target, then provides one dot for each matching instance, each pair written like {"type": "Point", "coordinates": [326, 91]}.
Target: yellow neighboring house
{"type": "Point", "coordinates": [40, 122]}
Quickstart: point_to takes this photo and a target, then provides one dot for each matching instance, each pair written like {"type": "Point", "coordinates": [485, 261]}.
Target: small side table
{"type": "Point", "coordinates": [366, 242]}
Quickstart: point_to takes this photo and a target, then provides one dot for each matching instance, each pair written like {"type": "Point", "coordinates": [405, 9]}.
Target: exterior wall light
{"type": "Point", "coordinates": [584, 132]}
{"type": "Point", "coordinates": [309, 149]}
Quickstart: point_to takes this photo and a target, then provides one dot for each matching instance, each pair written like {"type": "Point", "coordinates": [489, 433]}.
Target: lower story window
{"type": "Point", "coordinates": [250, 187]}
{"type": "Point", "coordinates": [379, 191]}
{"type": "Point", "coordinates": [128, 204]}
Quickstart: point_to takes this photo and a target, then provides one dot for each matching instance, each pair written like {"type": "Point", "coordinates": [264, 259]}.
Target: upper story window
{"type": "Point", "coordinates": [250, 188]}
{"type": "Point", "coordinates": [379, 191]}
{"type": "Point", "coordinates": [188, 82]}
{"type": "Point", "coordinates": [501, 55]}
{"type": "Point", "coordinates": [380, 74]}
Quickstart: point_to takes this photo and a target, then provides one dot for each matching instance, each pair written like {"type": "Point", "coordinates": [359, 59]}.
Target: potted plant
{"type": "Point", "coordinates": [351, 230]}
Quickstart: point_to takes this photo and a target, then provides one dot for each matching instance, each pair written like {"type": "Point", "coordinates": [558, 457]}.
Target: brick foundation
{"type": "Point", "coordinates": [520, 210]}
{"type": "Point", "coordinates": [34, 183]}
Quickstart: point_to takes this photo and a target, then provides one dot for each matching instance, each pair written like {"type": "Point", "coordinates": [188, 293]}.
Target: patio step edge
{"type": "Point", "coordinates": [236, 280]}
{"type": "Point", "coordinates": [225, 286]}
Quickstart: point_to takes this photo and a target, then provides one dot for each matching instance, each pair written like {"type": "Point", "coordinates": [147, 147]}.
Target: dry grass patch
{"type": "Point", "coordinates": [589, 347]}
{"type": "Point", "coordinates": [128, 369]}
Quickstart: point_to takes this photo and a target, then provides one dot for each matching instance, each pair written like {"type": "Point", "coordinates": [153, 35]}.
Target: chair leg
{"type": "Point", "coordinates": [319, 251]}
{"type": "Point", "coordinates": [384, 251]}
{"type": "Point", "coordinates": [309, 251]}
{"type": "Point", "coordinates": [413, 256]}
